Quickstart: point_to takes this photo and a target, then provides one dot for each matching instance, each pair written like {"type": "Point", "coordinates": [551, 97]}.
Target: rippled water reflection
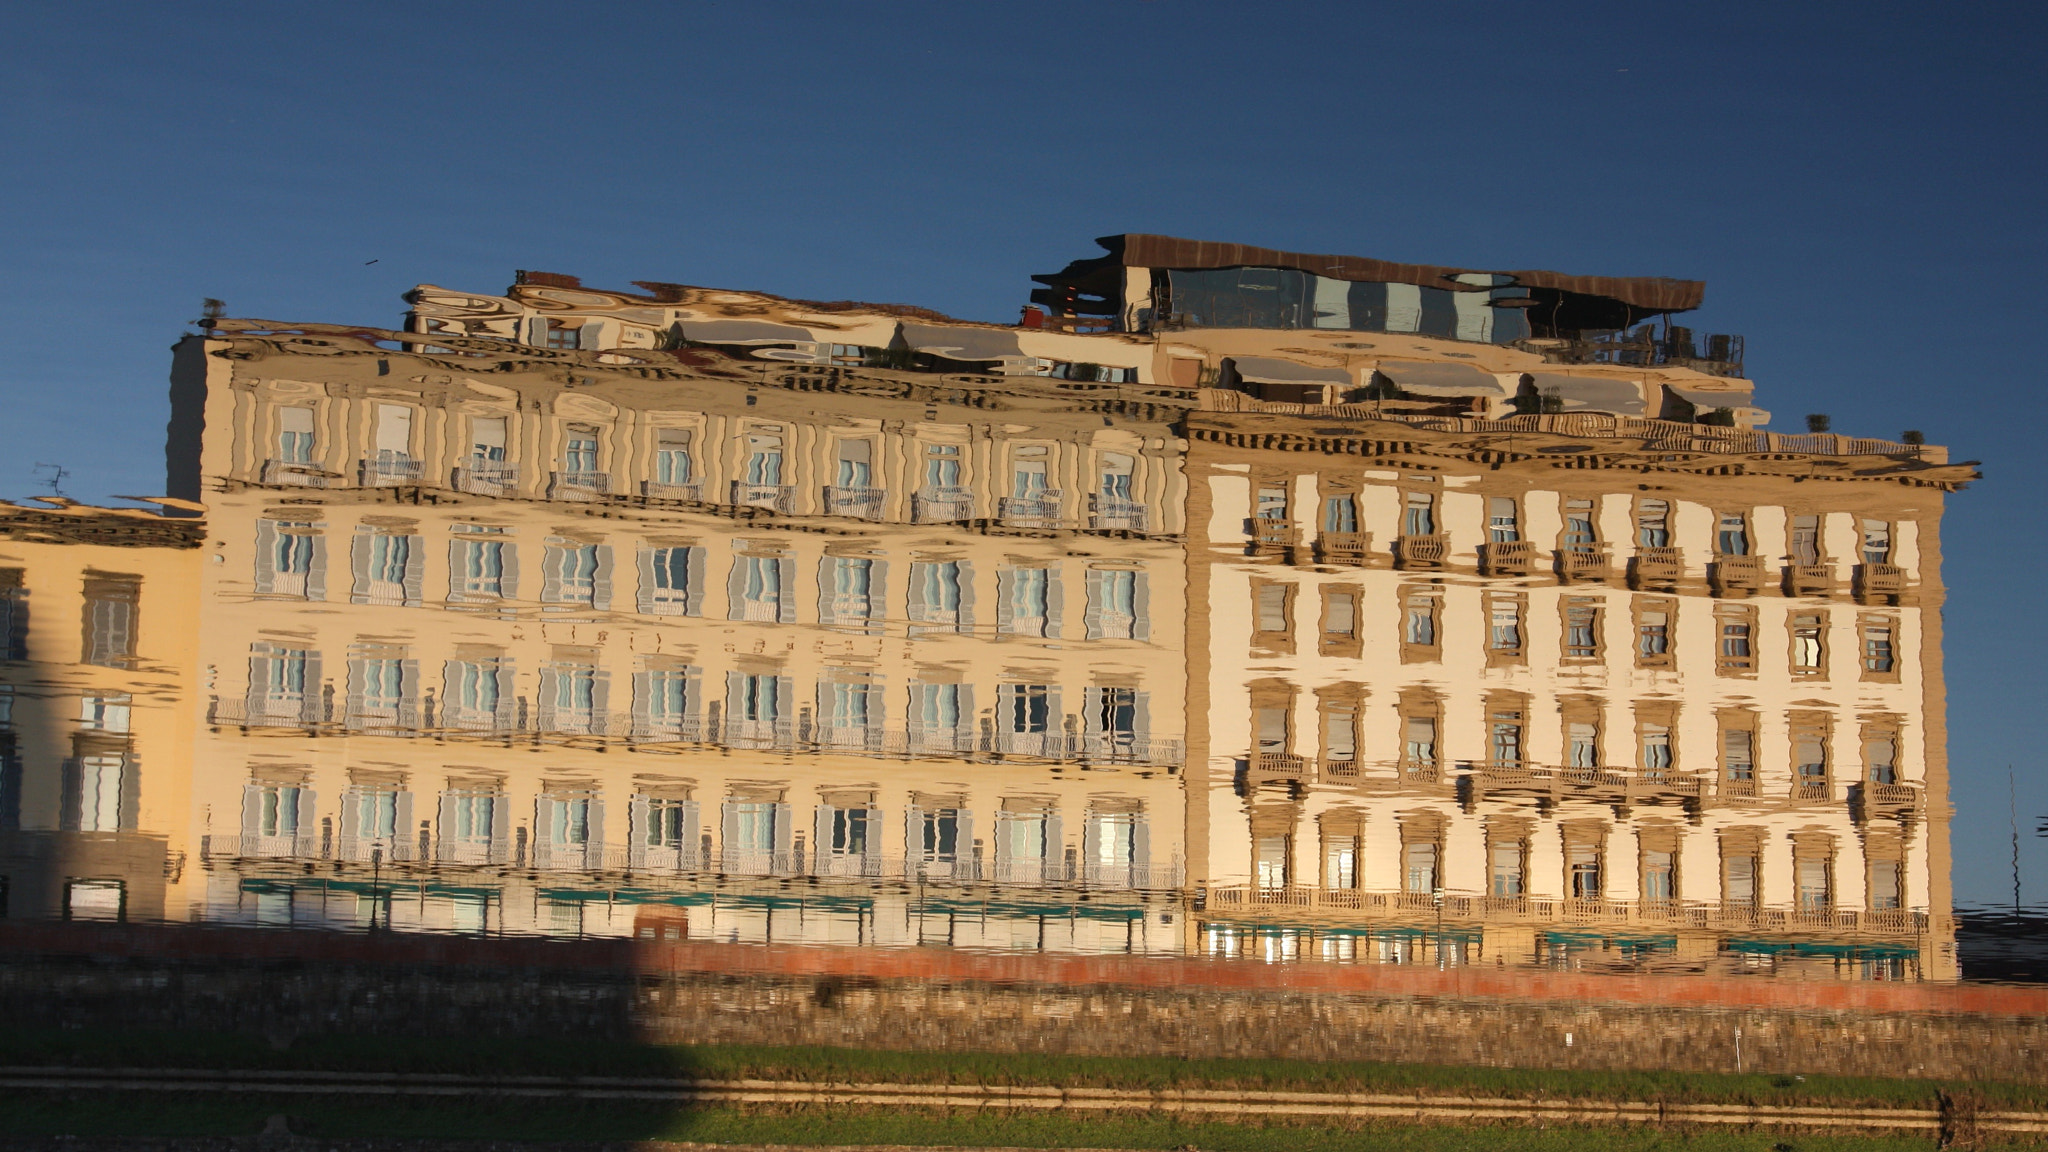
{"type": "Point", "coordinates": [1369, 637]}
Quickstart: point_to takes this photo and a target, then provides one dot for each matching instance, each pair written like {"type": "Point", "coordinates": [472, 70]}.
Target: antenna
{"type": "Point", "coordinates": [56, 477]}
{"type": "Point", "coordinates": [2013, 796]}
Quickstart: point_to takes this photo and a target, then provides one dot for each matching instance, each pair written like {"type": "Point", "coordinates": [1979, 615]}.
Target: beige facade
{"type": "Point", "coordinates": [707, 613]}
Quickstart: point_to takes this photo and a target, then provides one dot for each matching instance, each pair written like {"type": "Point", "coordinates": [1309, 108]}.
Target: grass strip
{"type": "Point", "coordinates": [510, 1056]}
{"type": "Point", "coordinates": [102, 1115]}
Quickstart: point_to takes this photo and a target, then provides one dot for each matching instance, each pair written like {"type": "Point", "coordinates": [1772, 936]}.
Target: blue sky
{"type": "Point", "coordinates": [1859, 185]}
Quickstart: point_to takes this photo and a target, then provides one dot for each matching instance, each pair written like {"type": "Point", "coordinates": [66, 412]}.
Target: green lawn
{"type": "Point", "coordinates": [584, 1057]}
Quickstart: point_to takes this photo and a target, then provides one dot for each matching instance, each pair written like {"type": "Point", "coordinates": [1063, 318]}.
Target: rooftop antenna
{"type": "Point", "coordinates": [211, 310]}
{"type": "Point", "coordinates": [56, 477]}
{"type": "Point", "coordinates": [2013, 796]}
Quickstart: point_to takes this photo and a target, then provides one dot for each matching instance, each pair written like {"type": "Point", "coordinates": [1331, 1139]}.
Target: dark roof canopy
{"type": "Point", "coordinates": [1100, 276]}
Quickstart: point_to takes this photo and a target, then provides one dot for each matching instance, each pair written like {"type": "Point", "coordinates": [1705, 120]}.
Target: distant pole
{"type": "Point", "coordinates": [2013, 796]}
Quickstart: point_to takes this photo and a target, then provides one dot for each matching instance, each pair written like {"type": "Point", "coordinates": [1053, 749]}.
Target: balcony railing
{"type": "Point", "coordinates": [389, 472]}
{"type": "Point", "coordinates": [1465, 907]}
{"type": "Point", "coordinates": [1507, 557]}
{"type": "Point", "coordinates": [1346, 548]}
{"type": "Point", "coordinates": [1880, 580]}
{"type": "Point", "coordinates": [655, 490]}
{"type": "Point", "coordinates": [1809, 579]}
{"type": "Point", "coordinates": [1744, 573]}
{"type": "Point", "coordinates": [1282, 765]}
{"type": "Point", "coordinates": [774, 497]}
{"type": "Point", "coordinates": [1039, 510]}
{"type": "Point", "coordinates": [1657, 566]}
{"type": "Point", "coordinates": [1585, 562]}
{"type": "Point", "coordinates": [1421, 551]}
{"type": "Point", "coordinates": [941, 504]}
{"type": "Point", "coordinates": [579, 485]}
{"type": "Point", "coordinates": [1274, 537]}
{"type": "Point", "coordinates": [860, 503]}
{"type": "Point", "coordinates": [487, 478]}
{"type": "Point", "coordinates": [1111, 514]}
{"type": "Point", "coordinates": [1340, 769]}
{"type": "Point", "coordinates": [293, 474]}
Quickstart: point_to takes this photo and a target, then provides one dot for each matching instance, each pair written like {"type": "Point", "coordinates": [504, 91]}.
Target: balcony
{"type": "Point", "coordinates": [487, 478]}
{"type": "Point", "coordinates": [1736, 573]}
{"type": "Point", "coordinates": [859, 503]}
{"type": "Point", "coordinates": [1111, 514]}
{"type": "Point", "coordinates": [1038, 510]}
{"type": "Point", "coordinates": [579, 485]}
{"type": "Point", "coordinates": [1421, 552]}
{"type": "Point", "coordinates": [1657, 567]}
{"type": "Point", "coordinates": [1340, 769]}
{"type": "Point", "coordinates": [1585, 563]}
{"type": "Point", "coordinates": [1266, 765]}
{"type": "Point", "coordinates": [941, 504]}
{"type": "Point", "coordinates": [389, 472]}
{"type": "Point", "coordinates": [1809, 579]}
{"type": "Point", "coordinates": [1507, 557]}
{"type": "Point", "coordinates": [1346, 548]}
{"type": "Point", "coordinates": [774, 497]}
{"type": "Point", "coordinates": [293, 474]}
{"type": "Point", "coordinates": [1274, 538]}
{"type": "Point", "coordinates": [687, 493]}
{"type": "Point", "coordinates": [1880, 580]}
{"type": "Point", "coordinates": [1813, 791]}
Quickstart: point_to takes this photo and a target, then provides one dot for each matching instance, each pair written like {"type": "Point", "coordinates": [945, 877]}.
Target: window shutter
{"type": "Point", "coordinates": [728, 833]}
{"type": "Point", "coordinates": [501, 828]}
{"type": "Point", "coordinates": [1055, 845]}
{"type": "Point", "coordinates": [967, 717]}
{"type": "Point", "coordinates": [259, 677]}
{"type": "Point", "coordinates": [1141, 852]}
{"type": "Point", "coordinates": [785, 605]}
{"type": "Point", "coordinates": [316, 572]}
{"type": "Point", "coordinates": [963, 847]}
{"type": "Point", "coordinates": [451, 692]}
{"type": "Point", "coordinates": [551, 573]}
{"type": "Point", "coordinates": [878, 594]}
{"type": "Point", "coordinates": [644, 597]}
{"type": "Point", "coordinates": [1006, 592]}
{"type": "Point", "coordinates": [919, 573]}
{"type": "Point", "coordinates": [600, 698]}
{"type": "Point", "coordinates": [455, 569]}
{"type": "Point", "coordinates": [508, 707]}
{"type": "Point", "coordinates": [70, 805]}
{"type": "Point", "coordinates": [966, 596]}
{"type": "Point", "coordinates": [785, 696]}
{"type": "Point", "coordinates": [1091, 844]}
{"type": "Point", "coordinates": [687, 850]}
{"type": "Point", "coordinates": [872, 858]}
{"type": "Point", "coordinates": [1091, 618]}
{"type": "Point", "coordinates": [637, 831]}
{"type": "Point", "coordinates": [1091, 711]}
{"type": "Point", "coordinates": [735, 690]}
{"type": "Point", "coordinates": [1054, 602]}
{"type": "Point", "coordinates": [1141, 606]}
{"type": "Point", "coordinates": [252, 815]}
{"type": "Point", "coordinates": [548, 689]}
{"type": "Point", "coordinates": [593, 845]}
{"type": "Point", "coordinates": [409, 694]}
{"type": "Point", "coordinates": [405, 835]}
{"type": "Point", "coordinates": [309, 702]}
{"type": "Point", "coordinates": [445, 825]}
{"type": "Point", "coordinates": [828, 570]}
{"type": "Point", "coordinates": [1141, 717]}
{"type": "Point", "coordinates": [537, 331]}
{"type": "Point", "coordinates": [360, 544]}
{"type": "Point", "coordinates": [308, 815]}
{"type": "Point", "coordinates": [735, 584]}
{"type": "Point", "coordinates": [508, 583]}
{"type": "Point", "coordinates": [785, 836]}
{"type": "Point", "coordinates": [355, 687]}
{"type": "Point", "coordinates": [693, 603]}
{"type": "Point", "coordinates": [601, 580]}
{"type": "Point", "coordinates": [878, 708]}
{"type": "Point", "coordinates": [266, 556]}
{"type": "Point", "coordinates": [415, 569]}
{"type": "Point", "coordinates": [821, 840]}
{"type": "Point", "coordinates": [643, 704]}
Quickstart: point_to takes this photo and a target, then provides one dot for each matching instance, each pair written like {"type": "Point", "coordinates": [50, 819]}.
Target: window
{"type": "Point", "coordinates": [1026, 839]}
{"type": "Point", "coordinates": [1027, 717]}
{"type": "Point", "coordinates": [1503, 520]}
{"type": "Point", "coordinates": [1418, 517]}
{"type": "Point", "coordinates": [1418, 866]}
{"type": "Point", "coordinates": [1739, 876]}
{"type": "Point", "coordinates": [856, 466]}
{"type": "Point", "coordinates": [1809, 644]}
{"type": "Point", "coordinates": [756, 698]}
{"type": "Point", "coordinates": [579, 451]}
{"type": "Point", "coordinates": [1887, 887]}
{"type": "Point", "coordinates": [1660, 875]}
{"type": "Point", "coordinates": [1731, 538]}
{"type": "Point", "coordinates": [1116, 477]}
{"type": "Point", "coordinates": [565, 820]}
{"type": "Point", "coordinates": [1113, 718]}
{"type": "Point", "coordinates": [1273, 615]}
{"type": "Point", "coordinates": [759, 592]}
{"type": "Point", "coordinates": [1816, 882]}
{"type": "Point", "coordinates": [938, 713]}
{"type": "Point", "coordinates": [1582, 743]}
{"type": "Point", "coordinates": [561, 334]}
{"type": "Point", "coordinates": [1738, 756]}
{"type": "Point", "coordinates": [1340, 731]}
{"type": "Point", "coordinates": [1340, 622]}
{"type": "Point", "coordinates": [481, 564]}
{"type": "Point", "coordinates": [938, 834]}
{"type": "Point", "coordinates": [1113, 609]}
{"type": "Point", "coordinates": [1340, 859]}
{"type": "Point", "coordinates": [1736, 653]}
{"type": "Point", "coordinates": [764, 457]}
{"type": "Point", "coordinates": [669, 701]}
{"type": "Point", "coordinates": [1656, 753]}
{"type": "Point", "coordinates": [1340, 513]}
{"type": "Point", "coordinates": [97, 794]}
{"type": "Point", "coordinates": [1505, 871]}
{"type": "Point", "coordinates": [1877, 542]}
{"type": "Point", "coordinates": [387, 566]}
{"type": "Point", "coordinates": [1881, 757]}
{"type": "Point", "coordinates": [1581, 529]}
{"type": "Point", "coordinates": [1654, 619]}
{"type": "Point", "coordinates": [1111, 841]}
{"type": "Point", "coordinates": [487, 439]}
{"type": "Point", "coordinates": [110, 609]}
{"type": "Point", "coordinates": [671, 581]}
{"type": "Point", "coordinates": [1809, 760]}
{"type": "Point", "coordinates": [295, 435]}
{"type": "Point", "coordinates": [1878, 651]}
{"type": "Point", "coordinates": [1418, 743]}
{"type": "Point", "coordinates": [278, 680]}
{"type": "Point", "coordinates": [851, 590]}
{"type": "Point", "coordinates": [1028, 480]}
{"type": "Point", "coordinates": [274, 809]}
{"type": "Point", "coordinates": [1273, 725]}
{"type": "Point", "coordinates": [942, 466]}
{"type": "Point", "coordinates": [753, 834]}
{"type": "Point", "coordinates": [13, 615]}
{"type": "Point", "coordinates": [106, 713]}
{"type": "Point", "coordinates": [393, 439]}
{"type": "Point", "coordinates": [1272, 502]}
{"type": "Point", "coordinates": [1582, 628]}
{"type": "Point", "coordinates": [938, 596]}
{"type": "Point", "coordinates": [572, 573]}
{"type": "Point", "coordinates": [1583, 864]}
{"type": "Point", "coordinates": [849, 708]}
{"type": "Point", "coordinates": [572, 698]}
{"type": "Point", "coordinates": [672, 462]}
{"type": "Point", "coordinates": [1420, 613]}
{"type": "Point", "coordinates": [846, 831]}
{"type": "Point", "coordinates": [1027, 602]}
{"type": "Point", "coordinates": [667, 822]}
{"type": "Point", "coordinates": [1275, 861]}
{"type": "Point", "coordinates": [370, 813]}
{"type": "Point", "coordinates": [474, 693]}
{"type": "Point", "coordinates": [1653, 524]}
{"type": "Point", "coordinates": [1805, 540]}
{"type": "Point", "coordinates": [288, 559]}
{"type": "Point", "coordinates": [1504, 745]}
{"type": "Point", "coordinates": [1504, 635]}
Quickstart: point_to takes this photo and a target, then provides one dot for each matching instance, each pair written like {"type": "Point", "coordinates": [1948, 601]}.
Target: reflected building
{"type": "Point", "coordinates": [1234, 602]}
